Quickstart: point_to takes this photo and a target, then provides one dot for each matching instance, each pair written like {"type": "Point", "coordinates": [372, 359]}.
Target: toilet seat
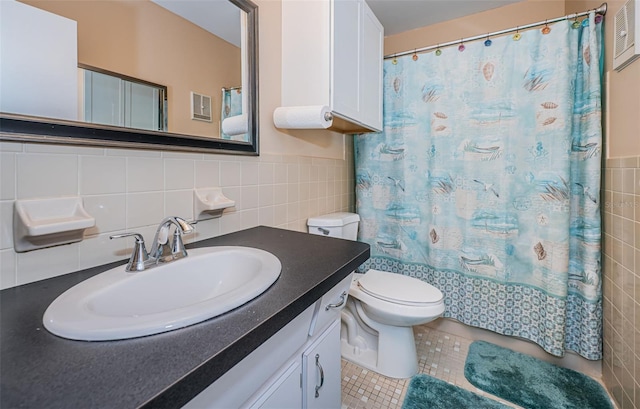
{"type": "Point", "coordinates": [399, 289]}
{"type": "Point", "coordinates": [378, 321]}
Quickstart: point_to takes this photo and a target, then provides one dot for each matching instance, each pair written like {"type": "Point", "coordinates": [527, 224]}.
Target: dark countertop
{"type": "Point", "coordinates": [41, 370]}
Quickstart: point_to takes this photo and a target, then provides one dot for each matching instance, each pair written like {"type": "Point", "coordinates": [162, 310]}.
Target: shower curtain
{"type": "Point", "coordinates": [231, 106]}
{"type": "Point", "coordinates": [485, 182]}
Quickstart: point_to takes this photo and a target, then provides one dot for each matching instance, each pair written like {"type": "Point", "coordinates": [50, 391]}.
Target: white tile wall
{"type": "Point", "coordinates": [46, 175]}
{"type": "Point", "coordinates": [132, 190]}
{"type": "Point", "coordinates": [7, 179]}
{"type": "Point", "coordinates": [93, 178]}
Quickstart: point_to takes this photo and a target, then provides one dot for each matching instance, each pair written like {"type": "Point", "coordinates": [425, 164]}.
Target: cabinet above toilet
{"type": "Point", "coordinates": [332, 54]}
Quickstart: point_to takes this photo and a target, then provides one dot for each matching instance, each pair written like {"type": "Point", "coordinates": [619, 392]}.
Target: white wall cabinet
{"type": "Point", "coordinates": [283, 373]}
{"type": "Point", "coordinates": [332, 53]}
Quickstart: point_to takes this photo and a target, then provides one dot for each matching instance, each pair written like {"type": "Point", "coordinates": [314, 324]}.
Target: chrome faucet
{"type": "Point", "coordinates": [139, 257]}
{"type": "Point", "coordinates": [162, 250]}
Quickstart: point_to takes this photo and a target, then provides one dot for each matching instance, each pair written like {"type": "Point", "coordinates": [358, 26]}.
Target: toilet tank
{"type": "Point", "coordinates": [342, 225]}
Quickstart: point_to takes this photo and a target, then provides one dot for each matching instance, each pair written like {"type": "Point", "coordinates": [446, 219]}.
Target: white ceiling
{"type": "Point", "coordinates": [222, 18]}
{"type": "Point", "coordinates": [397, 16]}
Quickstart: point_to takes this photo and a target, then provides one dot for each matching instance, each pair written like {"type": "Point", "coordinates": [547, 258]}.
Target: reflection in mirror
{"type": "Point", "coordinates": [234, 123]}
{"type": "Point", "coordinates": [111, 99]}
{"type": "Point", "coordinates": [209, 79]}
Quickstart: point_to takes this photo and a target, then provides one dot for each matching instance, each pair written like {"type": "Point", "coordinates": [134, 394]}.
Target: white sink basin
{"type": "Point", "coordinates": [117, 304]}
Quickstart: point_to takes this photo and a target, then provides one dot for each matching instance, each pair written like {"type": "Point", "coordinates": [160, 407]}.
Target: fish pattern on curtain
{"type": "Point", "coordinates": [485, 183]}
{"type": "Point", "coordinates": [231, 106]}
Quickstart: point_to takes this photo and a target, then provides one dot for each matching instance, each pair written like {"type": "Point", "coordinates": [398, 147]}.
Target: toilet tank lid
{"type": "Point", "coordinates": [333, 219]}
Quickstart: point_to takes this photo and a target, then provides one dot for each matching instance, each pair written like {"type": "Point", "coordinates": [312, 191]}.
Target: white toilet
{"type": "Point", "coordinates": [377, 322]}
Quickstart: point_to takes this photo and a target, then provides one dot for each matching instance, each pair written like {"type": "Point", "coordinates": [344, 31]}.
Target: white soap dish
{"type": "Point", "coordinates": [40, 223]}
{"type": "Point", "coordinates": [209, 203]}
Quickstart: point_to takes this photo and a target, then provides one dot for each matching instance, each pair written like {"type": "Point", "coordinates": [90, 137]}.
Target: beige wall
{"type": "Point", "coordinates": [143, 40]}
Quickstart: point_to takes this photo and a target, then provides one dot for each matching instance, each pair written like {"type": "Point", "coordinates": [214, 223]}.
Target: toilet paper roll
{"type": "Point", "coordinates": [235, 125]}
{"type": "Point", "coordinates": [303, 117]}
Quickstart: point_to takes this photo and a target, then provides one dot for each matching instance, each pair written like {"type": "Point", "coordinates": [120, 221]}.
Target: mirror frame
{"type": "Point", "coordinates": [25, 128]}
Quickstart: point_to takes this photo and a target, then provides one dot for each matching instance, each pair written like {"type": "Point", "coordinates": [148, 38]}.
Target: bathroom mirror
{"type": "Point", "coordinates": [151, 42]}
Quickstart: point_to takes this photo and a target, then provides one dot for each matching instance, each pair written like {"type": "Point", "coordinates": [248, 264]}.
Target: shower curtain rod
{"type": "Point", "coordinates": [602, 10]}
{"type": "Point", "coordinates": [231, 88]}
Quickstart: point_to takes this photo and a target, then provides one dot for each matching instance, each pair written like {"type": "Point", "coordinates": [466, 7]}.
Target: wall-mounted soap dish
{"type": "Point", "coordinates": [209, 203]}
{"type": "Point", "coordinates": [40, 223]}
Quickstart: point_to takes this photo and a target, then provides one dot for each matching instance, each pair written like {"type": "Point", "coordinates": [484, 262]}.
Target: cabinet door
{"type": "Point", "coordinates": [371, 55]}
{"type": "Point", "coordinates": [285, 393]}
{"type": "Point", "coordinates": [345, 87]}
{"type": "Point", "coordinates": [321, 371]}
{"type": "Point", "coordinates": [306, 47]}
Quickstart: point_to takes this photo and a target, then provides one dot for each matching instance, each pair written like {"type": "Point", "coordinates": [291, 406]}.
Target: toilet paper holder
{"type": "Point", "coordinates": [303, 117]}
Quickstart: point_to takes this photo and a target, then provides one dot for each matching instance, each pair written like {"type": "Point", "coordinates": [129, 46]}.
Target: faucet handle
{"type": "Point", "coordinates": [177, 247]}
{"type": "Point", "coordinates": [185, 226]}
{"type": "Point", "coordinates": [139, 255]}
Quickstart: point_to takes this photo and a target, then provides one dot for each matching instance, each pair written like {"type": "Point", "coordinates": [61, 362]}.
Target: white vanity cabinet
{"type": "Point", "coordinates": [283, 372]}
{"type": "Point", "coordinates": [311, 382]}
{"type": "Point", "coordinates": [332, 53]}
{"type": "Point", "coordinates": [321, 378]}
{"type": "Point", "coordinates": [285, 392]}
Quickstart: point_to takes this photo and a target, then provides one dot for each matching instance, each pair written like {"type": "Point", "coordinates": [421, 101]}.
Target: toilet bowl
{"type": "Point", "coordinates": [376, 329]}
{"type": "Point", "coordinates": [377, 322]}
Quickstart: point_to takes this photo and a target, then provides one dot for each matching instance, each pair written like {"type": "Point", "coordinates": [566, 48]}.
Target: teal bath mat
{"type": "Point", "coordinates": [426, 392]}
{"type": "Point", "coordinates": [530, 382]}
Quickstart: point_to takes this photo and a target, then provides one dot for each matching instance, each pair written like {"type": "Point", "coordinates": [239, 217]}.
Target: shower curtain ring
{"type": "Point", "coordinates": [415, 55]}
{"type": "Point", "coordinates": [438, 50]}
{"type": "Point", "coordinates": [546, 29]}
{"type": "Point", "coordinates": [488, 42]}
{"type": "Point", "coordinates": [576, 23]}
{"type": "Point", "coordinates": [461, 47]}
{"type": "Point", "coordinates": [517, 36]}
{"type": "Point", "coordinates": [395, 60]}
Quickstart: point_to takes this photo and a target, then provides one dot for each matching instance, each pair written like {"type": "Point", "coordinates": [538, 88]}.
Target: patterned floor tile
{"type": "Point", "coordinates": [439, 354]}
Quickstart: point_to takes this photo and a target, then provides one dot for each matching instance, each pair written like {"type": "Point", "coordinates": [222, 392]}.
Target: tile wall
{"type": "Point", "coordinates": [132, 190]}
{"type": "Point", "coordinates": [621, 285]}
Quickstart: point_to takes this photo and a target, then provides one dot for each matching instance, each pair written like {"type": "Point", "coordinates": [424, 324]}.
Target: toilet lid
{"type": "Point", "coordinates": [398, 288]}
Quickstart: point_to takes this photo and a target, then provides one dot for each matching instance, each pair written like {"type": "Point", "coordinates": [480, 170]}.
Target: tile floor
{"type": "Point", "coordinates": [439, 354]}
